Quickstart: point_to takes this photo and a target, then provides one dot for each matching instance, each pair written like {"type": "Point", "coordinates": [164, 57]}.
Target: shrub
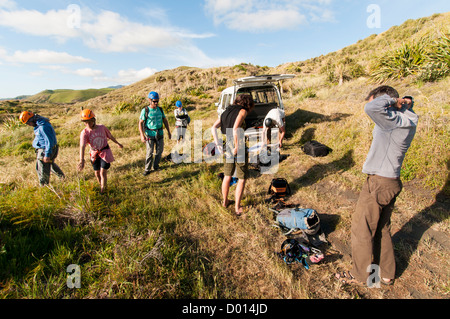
{"type": "Point", "coordinates": [168, 103]}
{"type": "Point", "coordinates": [307, 93]}
{"type": "Point", "coordinates": [400, 63]}
{"type": "Point", "coordinates": [438, 65]}
{"type": "Point", "coordinates": [343, 70]}
{"type": "Point", "coordinates": [137, 102]}
{"type": "Point", "coordinates": [11, 123]}
{"type": "Point", "coordinates": [240, 67]}
{"type": "Point", "coordinates": [427, 61]}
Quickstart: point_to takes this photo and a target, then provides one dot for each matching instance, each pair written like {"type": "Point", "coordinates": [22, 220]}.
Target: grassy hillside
{"type": "Point", "coordinates": [167, 236]}
{"type": "Point", "coordinates": [67, 96]}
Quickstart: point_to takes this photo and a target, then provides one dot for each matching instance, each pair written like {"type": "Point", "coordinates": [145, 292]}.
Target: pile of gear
{"type": "Point", "coordinates": [302, 223]}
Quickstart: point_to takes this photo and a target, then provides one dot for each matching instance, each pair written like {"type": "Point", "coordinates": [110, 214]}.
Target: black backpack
{"type": "Point", "coordinates": [279, 188]}
{"type": "Point", "coordinates": [316, 149]}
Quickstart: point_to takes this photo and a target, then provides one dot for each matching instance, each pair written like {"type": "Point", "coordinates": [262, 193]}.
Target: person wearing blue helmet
{"type": "Point", "coordinates": [182, 120]}
{"type": "Point", "coordinates": [151, 123]}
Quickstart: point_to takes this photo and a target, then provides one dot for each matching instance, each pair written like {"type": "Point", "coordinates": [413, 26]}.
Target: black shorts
{"type": "Point", "coordinates": [100, 163]}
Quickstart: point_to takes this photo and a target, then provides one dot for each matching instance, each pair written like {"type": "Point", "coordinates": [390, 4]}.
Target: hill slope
{"type": "Point", "coordinates": [67, 96]}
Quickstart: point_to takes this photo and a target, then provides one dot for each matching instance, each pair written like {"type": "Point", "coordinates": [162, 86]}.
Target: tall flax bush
{"type": "Point", "coordinates": [400, 63]}
{"type": "Point", "coordinates": [427, 60]}
{"type": "Point", "coordinates": [438, 65]}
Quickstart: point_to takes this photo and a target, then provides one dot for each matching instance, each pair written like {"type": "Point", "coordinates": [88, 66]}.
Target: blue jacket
{"type": "Point", "coordinates": [45, 136]}
{"type": "Point", "coordinates": [392, 136]}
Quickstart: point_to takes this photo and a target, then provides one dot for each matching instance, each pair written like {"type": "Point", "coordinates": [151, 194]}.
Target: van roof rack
{"type": "Point", "coordinates": [264, 78]}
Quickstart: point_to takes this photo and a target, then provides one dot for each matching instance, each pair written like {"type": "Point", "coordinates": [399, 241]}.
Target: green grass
{"type": "Point", "coordinates": [67, 96]}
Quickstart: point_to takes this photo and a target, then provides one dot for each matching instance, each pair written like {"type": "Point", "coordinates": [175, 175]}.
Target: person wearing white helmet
{"type": "Point", "coordinates": [274, 119]}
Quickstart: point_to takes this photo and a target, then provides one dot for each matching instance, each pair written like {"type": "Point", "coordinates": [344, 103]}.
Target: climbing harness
{"type": "Point", "coordinates": [293, 251]}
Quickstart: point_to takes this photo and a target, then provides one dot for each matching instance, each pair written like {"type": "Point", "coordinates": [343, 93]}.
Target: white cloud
{"type": "Point", "coordinates": [86, 72]}
{"type": "Point", "coordinates": [42, 57]}
{"type": "Point", "coordinates": [131, 76]}
{"type": "Point", "coordinates": [125, 77]}
{"type": "Point", "coordinates": [193, 56]}
{"type": "Point", "coordinates": [264, 15]}
{"type": "Point", "coordinates": [37, 73]}
{"type": "Point", "coordinates": [9, 4]}
{"type": "Point", "coordinates": [112, 33]}
{"type": "Point", "coordinates": [265, 20]}
{"type": "Point", "coordinates": [52, 23]}
{"type": "Point", "coordinates": [106, 31]}
{"type": "Point", "coordinates": [3, 53]}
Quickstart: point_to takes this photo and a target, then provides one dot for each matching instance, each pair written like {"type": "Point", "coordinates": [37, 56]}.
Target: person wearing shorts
{"type": "Point", "coordinates": [100, 164]}
{"type": "Point", "coordinates": [231, 123]}
{"type": "Point", "coordinates": [101, 156]}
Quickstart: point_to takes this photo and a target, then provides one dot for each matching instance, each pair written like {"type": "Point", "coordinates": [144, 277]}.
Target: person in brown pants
{"type": "Point", "coordinates": [395, 128]}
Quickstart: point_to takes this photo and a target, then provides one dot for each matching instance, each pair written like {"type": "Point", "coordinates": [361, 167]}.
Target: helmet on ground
{"type": "Point", "coordinates": [25, 116]}
{"type": "Point", "coordinates": [153, 95]}
{"type": "Point", "coordinates": [87, 115]}
{"type": "Point", "coordinates": [179, 104]}
{"type": "Point", "coordinates": [269, 123]}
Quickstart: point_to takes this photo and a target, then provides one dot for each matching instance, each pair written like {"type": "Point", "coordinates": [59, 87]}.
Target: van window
{"type": "Point", "coordinates": [226, 101]}
{"type": "Point", "coordinates": [262, 95]}
{"type": "Point", "coordinates": [265, 96]}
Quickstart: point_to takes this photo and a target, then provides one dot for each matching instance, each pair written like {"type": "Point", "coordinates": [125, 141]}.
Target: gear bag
{"type": "Point", "coordinates": [279, 188]}
{"type": "Point", "coordinates": [316, 149]}
{"type": "Point", "coordinates": [298, 219]}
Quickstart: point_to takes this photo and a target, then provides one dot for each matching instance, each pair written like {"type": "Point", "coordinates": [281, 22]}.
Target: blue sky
{"type": "Point", "coordinates": [93, 44]}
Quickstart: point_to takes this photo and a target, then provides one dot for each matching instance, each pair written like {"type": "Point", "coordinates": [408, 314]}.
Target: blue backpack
{"type": "Point", "coordinates": [298, 219]}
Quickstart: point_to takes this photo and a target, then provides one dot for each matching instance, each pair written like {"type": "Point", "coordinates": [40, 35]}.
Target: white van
{"type": "Point", "coordinates": [265, 93]}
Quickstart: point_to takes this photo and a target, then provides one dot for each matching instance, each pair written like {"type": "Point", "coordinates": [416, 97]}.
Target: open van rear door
{"type": "Point", "coordinates": [261, 79]}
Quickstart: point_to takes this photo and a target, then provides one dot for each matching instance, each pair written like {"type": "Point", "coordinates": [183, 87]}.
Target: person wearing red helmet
{"type": "Point", "coordinates": [46, 146]}
{"type": "Point", "coordinates": [101, 156]}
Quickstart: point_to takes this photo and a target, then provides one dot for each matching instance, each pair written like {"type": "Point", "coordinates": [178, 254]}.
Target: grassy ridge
{"type": "Point", "coordinates": [67, 96]}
